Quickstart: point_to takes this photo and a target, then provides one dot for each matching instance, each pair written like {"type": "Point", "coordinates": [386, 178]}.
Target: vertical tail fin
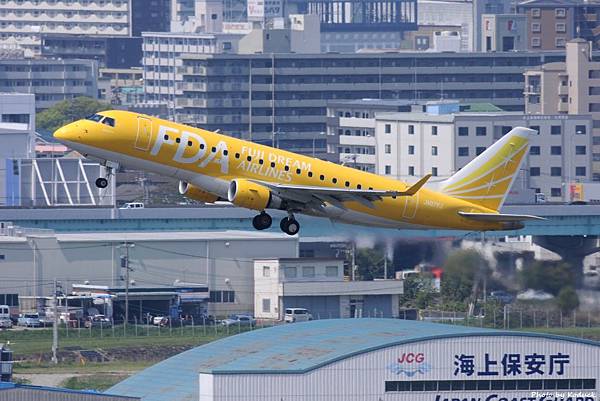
{"type": "Point", "coordinates": [487, 179]}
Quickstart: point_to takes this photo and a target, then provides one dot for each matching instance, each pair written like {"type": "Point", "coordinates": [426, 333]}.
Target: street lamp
{"type": "Point", "coordinates": [314, 141]}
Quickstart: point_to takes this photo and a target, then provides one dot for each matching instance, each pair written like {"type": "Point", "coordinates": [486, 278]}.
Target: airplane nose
{"type": "Point", "coordinates": [66, 133]}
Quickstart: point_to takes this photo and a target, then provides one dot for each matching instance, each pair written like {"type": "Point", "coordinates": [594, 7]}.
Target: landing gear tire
{"type": "Point", "coordinates": [102, 182]}
{"type": "Point", "coordinates": [290, 226]}
{"type": "Point", "coordinates": [262, 221]}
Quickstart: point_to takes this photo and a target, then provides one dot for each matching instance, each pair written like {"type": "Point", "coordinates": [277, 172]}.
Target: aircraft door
{"type": "Point", "coordinates": [411, 204]}
{"type": "Point", "coordinates": [144, 134]}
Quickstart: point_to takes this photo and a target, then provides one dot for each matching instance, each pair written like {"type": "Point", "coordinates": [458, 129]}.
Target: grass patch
{"type": "Point", "coordinates": [88, 368]}
{"type": "Point", "coordinates": [98, 382]}
{"type": "Point", "coordinates": [589, 333]}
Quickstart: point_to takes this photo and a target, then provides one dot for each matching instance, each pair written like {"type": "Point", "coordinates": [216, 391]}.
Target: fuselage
{"type": "Point", "coordinates": [210, 161]}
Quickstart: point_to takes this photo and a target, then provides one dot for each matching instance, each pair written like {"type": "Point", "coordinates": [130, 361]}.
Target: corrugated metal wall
{"type": "Point", "coordinates": [25, 394]}
{"type": "Point", "coordinates": [363, 377]}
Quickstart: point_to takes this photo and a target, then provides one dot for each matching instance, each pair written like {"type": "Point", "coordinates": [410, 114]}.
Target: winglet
{"type": "Point", "coordinates": [416, 186]}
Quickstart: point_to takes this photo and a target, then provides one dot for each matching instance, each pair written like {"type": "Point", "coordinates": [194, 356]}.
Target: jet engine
{"type": "Point", "coordinates": [195, 193]}
{"type": "Point", "coordinates": [251, 195]}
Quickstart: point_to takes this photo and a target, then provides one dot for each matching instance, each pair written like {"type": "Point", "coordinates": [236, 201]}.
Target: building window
{"type": "Point", "coordinates": [388, 148]}
{"type": "Point", "coordinates": [580, 150]}
{"type": "Point", "coordinates": [561, 27]}
{"type": "Point", "coordinates": [481, 131]}
{"type": "Point", "coordinates": [266, 305]}
{"type": "Point", "coordinates": [535, 128]}
{"type": "Point", "coordinates": [555, 192]}
{"type": "Point", "coordinates": [411, 149]}
{"type": "Point", "coordinates": [580, 129]}
{"type": "Point", "coordinates": [411, 130]}
{"type": "Point", "coordinates": [308, 271]}
{"type": "Point", "coordinates": [536, 12]}
{"type": "Point", "coordinates": [556, 171]}
{"type": "Point", "coordinates": [290, 272]}
{"type": "Point", "coordinates": [594, 74]}
{"type": "Point", "coordinates": [560, 12]}
{"type": "Point", "coordinates": [463, 131]}
{"type": "Point", "coordinates": [580, 171]}
{"type": "Point", "coordinates": [411, 171]}
{"type": "Point", "coordinates": [266, 271]}
{"type": "Point", "coordinates": [479, 150]}
{"type": "Point", "coordinates": [434, 171]}
{"type": "Point", "coordinates": [594, 107]}
{"type": "Point", "coordinates": [536, 42]}
{"type": "Point", "coordinates": [388, 169]}
{"type": "Point", "coordinates": [388, 128]}
{"type": "Point", "coordinates": [555, 150]}
{"type": "Point", "coordinates": [555, 130]}
{"type": "Point", "coordinates": [434, 130]}
{"type": "Point", "coordinates": [222, 296]}
{"type": "Point", "coordinates": [560, 42]}
{"type": "Point", "coordinates": [534, 171]}
{"type": "Point", "coordinates": [434, 151]}
{"type": "Point", "coordinates": [594, 90]}
{"type": "Point", "coordinates": [463, 151]}
{"type": "Point", "coordinates": [536, 27]}
{"type": "Point", "coordinates": [534, 150]}
{"type": "Point", "coordinates": [331, 271]}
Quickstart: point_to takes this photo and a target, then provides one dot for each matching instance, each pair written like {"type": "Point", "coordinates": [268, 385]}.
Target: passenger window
{"type": "Point", "coordinates": [189, 143]}
{"type": "Point", "coordinates": [249, 158]}
{"type": "Point", "coordinates": [237, 155]}
{"type": "Point", "coordinates": [322, 177]}
{"type": "Point", "coordinates": [298, 171]}
{"type": "Point", "coordinates": [201, 146]}
{"type": "Point", "coordinates": [225, 152]}
{"type": "Point", "coordinates": [167, 138]}
{"type": "Point", "coordinates": [213, 149]}
{"type": "Point", "coordinates": [287, 168]}
{"type": "Point", "coordinates": [310, 174]}
{"type": "Point", "coordinates": [272, 164]}
{"type": "Point", "coordinates": [334, 180]}
{"type": "Point", "coordinates": [347, 183]}
{"type": "Point", "coordinates": [260, 161]}
{"type": "Point", "coordinates": [358, 186]}
{"type": "Point", "coordinates": [177, 140]}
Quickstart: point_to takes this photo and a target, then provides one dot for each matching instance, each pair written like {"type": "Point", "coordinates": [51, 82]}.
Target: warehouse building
{"type": "Point", "coordinates": [375, 359]}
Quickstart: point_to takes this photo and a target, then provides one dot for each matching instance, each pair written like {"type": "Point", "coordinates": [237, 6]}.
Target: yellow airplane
{"type": "Point", "coordinates": [211, 166]}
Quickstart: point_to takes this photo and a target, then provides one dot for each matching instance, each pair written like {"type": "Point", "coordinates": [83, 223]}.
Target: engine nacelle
{"type": "Point", "coordinates": [251, 195]}
{"type": "Point", "coordinates": [195, 193]}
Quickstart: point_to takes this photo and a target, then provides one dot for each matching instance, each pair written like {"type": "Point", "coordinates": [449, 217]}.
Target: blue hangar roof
{"type": "Point", "coordinates": [291, 348]}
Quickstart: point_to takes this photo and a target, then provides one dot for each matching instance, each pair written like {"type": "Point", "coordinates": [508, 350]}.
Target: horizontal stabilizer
{"type": "Point", "coordinates": [499, 217]}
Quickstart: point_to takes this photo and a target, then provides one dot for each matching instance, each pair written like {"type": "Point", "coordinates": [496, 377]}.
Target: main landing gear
{"type": "Point", "coordinates": [102, 182]}
{"type": "Point", "coordinates": [288, 225]}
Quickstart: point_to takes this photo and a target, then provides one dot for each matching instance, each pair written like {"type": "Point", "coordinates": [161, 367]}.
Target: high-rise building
{"type": "Point", "coordinates": [50, 80]}
{"type": "Point", "coordinates": [570, 88]}
{"type": "Point", "coordinates": [290, 92]}
{"type": "Point", "coordinates": [504, 32]}
{"type": "Point", "coordinates": [150, 15]}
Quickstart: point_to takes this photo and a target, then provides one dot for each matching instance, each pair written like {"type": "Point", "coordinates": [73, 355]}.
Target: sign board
{"type": "Point", "coordinates": [238, 28]}
{"type": "Point", "coordinates": [259, 10]}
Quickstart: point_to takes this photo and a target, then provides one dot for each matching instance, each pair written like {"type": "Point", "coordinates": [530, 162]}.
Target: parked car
{"type": "Point", "coordinates": [132, 205]}
{"type": "Point", "coordinates": [29, 320]}
{"type": "Point", "coordinates": [239, 320]}
{"type": "Point", "coordinates": [97, 321]}
{"type": "Point", "coordinates": [160, 320]}
{"type": "Point", "coordinates": [293, 315]}
{"type": "Point", "coordinates": [5, 323]}
{"type": "Point", "coordinates": [46, 320]}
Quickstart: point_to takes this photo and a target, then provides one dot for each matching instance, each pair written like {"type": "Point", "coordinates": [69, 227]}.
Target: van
{"type": "Point", "coordinates": [4, 312]}
{"type": "Point", "coordinates": [293, 315]}
{"type": "Point", "coordinates": [133, 205]}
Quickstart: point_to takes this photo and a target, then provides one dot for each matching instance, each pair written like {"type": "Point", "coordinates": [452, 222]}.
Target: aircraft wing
{"type": "Point", "coordinates": [499, 217]}
{"type": "Point", "coordinates": [314, 194]}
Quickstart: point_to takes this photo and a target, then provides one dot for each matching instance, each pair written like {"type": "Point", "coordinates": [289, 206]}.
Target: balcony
{"type": "Point", "coordinates": [533, 90]}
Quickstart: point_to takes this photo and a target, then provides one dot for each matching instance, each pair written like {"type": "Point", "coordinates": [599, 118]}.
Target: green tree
{"type": "Point", "coordinates": [567, 299]}
{"type": "Point", "coordinates": [461, 270]}
{"type": "Point", "coordinates": [68, 111]}
{"type": "Point", "coordinates": [551, 277]}
{"type": "Point", "coordinates": [418, 291]}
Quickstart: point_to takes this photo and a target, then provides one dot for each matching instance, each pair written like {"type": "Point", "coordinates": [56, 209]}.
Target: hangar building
{"type": "Point", "coordinates": [375, 359]}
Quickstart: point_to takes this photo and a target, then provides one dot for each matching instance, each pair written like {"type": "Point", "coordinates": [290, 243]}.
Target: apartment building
{"type": "Point", "coordinates": [25, 21]}
{"type": "Point", "coordinates": [552, 23]}
{"type": "Point", "coordinates": [442, 139]}
{"type": "Point", "coordinates": [290, 92]}
{"type": "Point", "coordinates": [122, 86]}
{"type": "Point", "coordinates": [571, 87]}
{"type": "Point", "coordinates": [50, 80]}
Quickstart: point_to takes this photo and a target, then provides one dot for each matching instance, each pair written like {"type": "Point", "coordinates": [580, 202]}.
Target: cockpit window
{"type": "Point", "coordinates": [109, 121]}
{"type": "Point", "coordinates": [95, 117]}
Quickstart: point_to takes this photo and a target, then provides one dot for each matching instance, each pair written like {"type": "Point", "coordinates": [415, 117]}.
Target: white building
{"type": "Point", "coordinates": [23, 22]}
{"type": "Point", "coordinates": [442, 140]}
{"type": "Point", "coordinates": [376, 359]}
{"type": "Point", "coordinates": [222, 259]}
{"type": "Point", "coordinates": [319, 286]}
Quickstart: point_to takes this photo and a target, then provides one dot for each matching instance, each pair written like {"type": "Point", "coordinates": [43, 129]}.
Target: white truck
{"type": "Point", "coordinates": [583, 193]}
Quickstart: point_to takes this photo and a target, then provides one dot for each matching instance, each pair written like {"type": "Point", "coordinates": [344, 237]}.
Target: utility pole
{"type": "Point", "coordinates": [353, 261]}
{"type": "Point", "coordinates": [125, 264]}
{"type": "Point", "coordinates": [55, 325]}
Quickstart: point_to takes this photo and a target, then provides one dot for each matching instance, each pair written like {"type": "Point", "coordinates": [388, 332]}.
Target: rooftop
{"type": "Point", "coordinates": [294, 348]}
